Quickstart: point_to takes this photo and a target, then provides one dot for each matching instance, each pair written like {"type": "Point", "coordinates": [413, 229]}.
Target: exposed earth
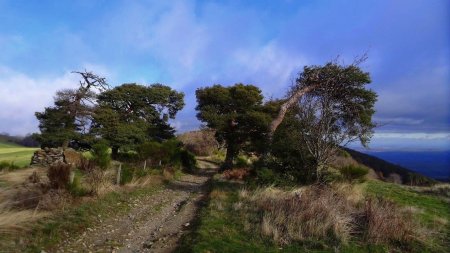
{"type": "Point", "coordinates": [155, 222]}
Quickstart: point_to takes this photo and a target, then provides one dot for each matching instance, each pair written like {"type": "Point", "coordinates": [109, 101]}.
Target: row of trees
{"type": "Point", "coordinates": [125, 116]}
{"type": "Point", "coordinates": [327, 107]}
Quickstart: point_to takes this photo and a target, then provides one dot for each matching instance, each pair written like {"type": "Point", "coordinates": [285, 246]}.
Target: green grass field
{"type": "Point", "coordinates": [17, 154]}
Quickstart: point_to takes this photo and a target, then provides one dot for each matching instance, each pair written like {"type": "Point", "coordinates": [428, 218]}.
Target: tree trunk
{"type": "Point", "coordinates": [114, 152]}
{"type": "Point", "coordinates": [229, 158]}
{"type": "Point", "coordinates": [285, 107]}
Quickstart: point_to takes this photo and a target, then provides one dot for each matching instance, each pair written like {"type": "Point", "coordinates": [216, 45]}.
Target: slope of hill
{"type": "Point", "coordinates": [385, 168]}
{"type": "Point", "coordinates": [19, 155]}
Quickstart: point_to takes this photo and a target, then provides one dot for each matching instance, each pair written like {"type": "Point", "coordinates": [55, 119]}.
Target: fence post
{"type": "Point", "coordinates": [119, 172]}
{"type": "Point", "coordinates": [71, 176]}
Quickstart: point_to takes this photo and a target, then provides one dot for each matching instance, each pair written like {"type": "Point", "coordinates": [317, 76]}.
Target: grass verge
{"type": "Point", "coordinates": [47, 233]}
{"type": "Point", "coordinates": [221, 228]}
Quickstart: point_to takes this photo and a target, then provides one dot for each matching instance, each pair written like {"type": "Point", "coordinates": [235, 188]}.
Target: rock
{"type": "Point", "coordinates": [72, 157]}
{"type": "Point", "coordinates": [187, 224]}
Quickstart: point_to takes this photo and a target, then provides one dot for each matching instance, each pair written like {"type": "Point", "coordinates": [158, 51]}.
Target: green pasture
{"type": "Point", "coordinates": [19, 155]}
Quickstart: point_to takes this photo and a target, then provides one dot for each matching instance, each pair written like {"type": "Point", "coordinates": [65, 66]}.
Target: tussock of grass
{"type": "Point", "coordinates": [308, 219]}
{"type": "Point", "coordinates": [324, 213]}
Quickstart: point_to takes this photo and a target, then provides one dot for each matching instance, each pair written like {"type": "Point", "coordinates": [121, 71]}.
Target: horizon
{"type": "Point", "coordinates": [192, 44]}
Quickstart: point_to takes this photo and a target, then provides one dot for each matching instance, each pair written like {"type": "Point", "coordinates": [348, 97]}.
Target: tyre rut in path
{"type": "Point", "coordinates": [155, 223]}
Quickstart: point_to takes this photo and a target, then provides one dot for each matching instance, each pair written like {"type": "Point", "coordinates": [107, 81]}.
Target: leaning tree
{"type": "Point", "coordinates": [333, 108]}
{"type": "Point", "coordinates": [70, 117]}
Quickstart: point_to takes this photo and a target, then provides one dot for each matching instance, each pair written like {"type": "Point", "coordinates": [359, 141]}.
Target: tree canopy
{"type": "Point", "coordinates": [236, 113]}
{"type": "Point", "coordinates": [131, 113]}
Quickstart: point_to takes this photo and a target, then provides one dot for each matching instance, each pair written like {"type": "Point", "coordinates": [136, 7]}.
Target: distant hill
{"type": "Point", "coordinates": [385, 169]}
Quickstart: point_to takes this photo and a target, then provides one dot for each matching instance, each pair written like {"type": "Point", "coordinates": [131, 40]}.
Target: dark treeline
{"type": "Point", "coordinates": [27, 140]}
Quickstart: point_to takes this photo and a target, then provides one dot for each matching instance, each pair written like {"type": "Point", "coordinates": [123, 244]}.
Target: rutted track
{"type": "Point", "coordinates": [155, 222]}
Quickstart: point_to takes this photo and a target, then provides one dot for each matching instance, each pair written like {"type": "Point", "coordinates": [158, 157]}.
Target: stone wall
{"type": "Point", "coordinates": [48, 156]}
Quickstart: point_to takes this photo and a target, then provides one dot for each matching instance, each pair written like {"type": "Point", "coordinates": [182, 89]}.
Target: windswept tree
{"type": "Point", "coordinates": [236, 113]}
{"type": "Point", "coordinates": [70, 117]}
{"type": "Point", "coordinates": [130, 114]}
{"type": "Point", "coordinates": [336, 111]}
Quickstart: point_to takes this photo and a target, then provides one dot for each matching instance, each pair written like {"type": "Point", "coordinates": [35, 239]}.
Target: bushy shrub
{"type": "Point", "coordinates": [353, 173]}
{"type": "Point", "coordinates": [128, 157]}
{"type": "Point", "coordinates": [236, 174]}
{"type": "Point", "coordinates": [86, 164]}
{"type": "Point", "coordinates": [171, 150]}
{"type": "Point", "coordinates": [127, 174]}
{"type": "Point", "coordinates": [151, 151]}
{"type": "Point", "coordinates": [75, 188]}
{"type": "Point", "coordinates": [242, 161]}
{"type": "Point", "coordinates": [59, 175]}
{"type": "Point", "coordinates": [169, 153]}
{"type": "Point", "coordinates": [188, 160]}
{"type": "Point", "coordinates": [101, 155]}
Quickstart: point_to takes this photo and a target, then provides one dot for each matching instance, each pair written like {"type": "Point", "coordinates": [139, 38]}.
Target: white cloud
{"type": "Point", "coordinates": [398, 120]}
{"type": "Point", "coordinates": [413, 136]}
{"type": "Point", "coordinates": [22, 95]}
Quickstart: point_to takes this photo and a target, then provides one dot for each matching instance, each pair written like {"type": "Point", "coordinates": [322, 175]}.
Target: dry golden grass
{"type": "Point", "coordinates": [338, 212]}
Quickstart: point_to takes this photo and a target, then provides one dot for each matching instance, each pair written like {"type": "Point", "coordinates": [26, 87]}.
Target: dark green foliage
{"type": "Point", "coordinates": [241, 161]}
{"type": "Point", "coordinates": [353, 173]}
{"type": "Point", "coordinates": [57, 127]}
{"type": "Point", "coordinates": [131, 114]}
{"type": "Point", "coordinates": [68, 121]}
{"type": "Point", "coordinates": [5, 165]}
{"type": "Point", "coordinates": [288, 154]}
{"type": "Point", "coordinates": [127, 174]}
{"type": "Point", "coordinates": [237, 115]}
{"type": "Point", "coordinates": [101, 155]}
{"type": "Point", "coordinates": [188, 160]}
{"type": "Point", "coordinates": [151, 151]}
{"type": "Point", "coordinates": [75, 188]}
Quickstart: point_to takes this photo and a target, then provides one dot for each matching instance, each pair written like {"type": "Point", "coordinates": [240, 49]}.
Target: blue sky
{"type": "Point", "coordinates": [191, 44]}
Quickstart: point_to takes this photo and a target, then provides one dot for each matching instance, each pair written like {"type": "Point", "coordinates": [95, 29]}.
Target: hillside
{"type": "Point", "coordinates": [385, 168]}
{"type": "Point", "coordinates": [14, 153]}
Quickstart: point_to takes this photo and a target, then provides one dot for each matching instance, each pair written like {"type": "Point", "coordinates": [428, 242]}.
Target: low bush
{"type": "Point", "coordinates": [75, 188]}
{"type": "Point", "coordinates": [242, 161]}
{"type": "Point", "coordinates": [127, 174]}
{"type": "Point", "coordinates": [95, 179]}
{"type": "Point", "coordinates": [59, 175]}
{"type": "Point", "coordinates": [188, 160]}
{"type": "Point", "coordinates": [265, 176]}
{"type": "Point", "coordinates": [353, 173]}
{"type": "Point", "coordinates": [5, 165]}
{"type": "Point", "coordinates": [86, 164]}
{"type": "Point", "coordinates": [101, 155]}
{"type": "Point", "coordinates": [236, 174]}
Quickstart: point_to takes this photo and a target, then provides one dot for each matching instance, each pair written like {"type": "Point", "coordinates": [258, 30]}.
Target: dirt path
{"type": "Point", "coordinates": [155, 223]}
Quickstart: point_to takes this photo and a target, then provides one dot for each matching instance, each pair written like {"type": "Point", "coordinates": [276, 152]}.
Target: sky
{"type": "Point", "coordinates": [191, 44]}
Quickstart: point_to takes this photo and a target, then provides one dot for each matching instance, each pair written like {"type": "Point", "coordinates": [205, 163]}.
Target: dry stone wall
{"type": "Point", "coordinates": [48, 156]}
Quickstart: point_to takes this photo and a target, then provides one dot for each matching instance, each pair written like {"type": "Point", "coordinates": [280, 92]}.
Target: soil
{"type": "Point", "coordinates": [155, 222]}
